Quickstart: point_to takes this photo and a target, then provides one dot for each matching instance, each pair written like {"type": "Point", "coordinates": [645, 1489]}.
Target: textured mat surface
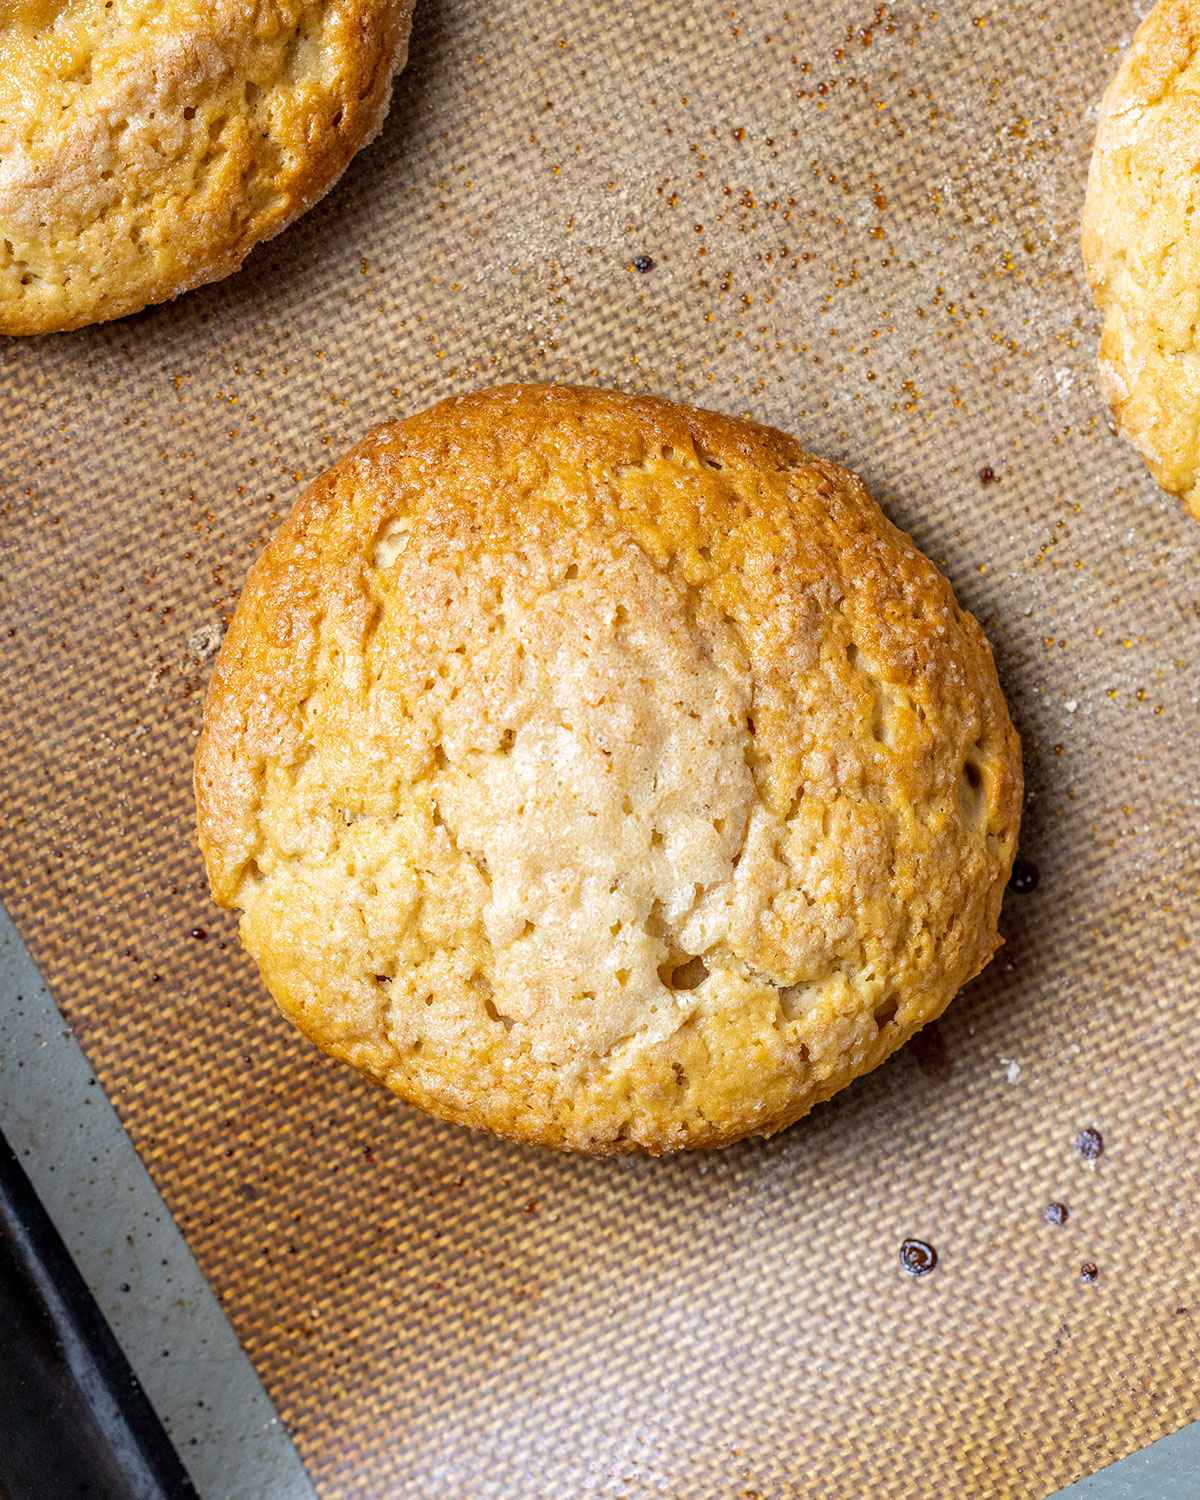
{"type": "Point", "coordinates": [862, 227]}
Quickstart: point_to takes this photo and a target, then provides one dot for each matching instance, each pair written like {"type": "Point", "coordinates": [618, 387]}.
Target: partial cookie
{"type": "Point", "coordinates": [605, 773]}
{"type": "Point", "coordinates": [147, 145]}
{"type": "Point", "coordinates": [1141, 245]}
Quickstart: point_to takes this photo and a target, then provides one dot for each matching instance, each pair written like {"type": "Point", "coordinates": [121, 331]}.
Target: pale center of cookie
{"type": "Point", "coordinates": [611, 818]}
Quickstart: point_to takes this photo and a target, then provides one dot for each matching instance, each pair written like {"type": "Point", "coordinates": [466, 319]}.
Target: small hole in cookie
{"type": "Point", "coordinates": [337, 119]}
{"type": "Point", "coordinates": [498, 1015]}
{"type": "Point", "coordinates": [189, 113]}
{"type": "Point", "coordinates": [656, 839]}
{"type": "Point", "coordinates": [507, 739]}
{"type": "Point", "coordinates": [685, 974]}
{"type": "Point", "coordinates": [709, 460]}
{"type": "Point", "coordinates": [972, 803]}
{"type": "Point", "coordinates": [886, 1013]}
{"type": "Point", "coordinates": [572, 571]}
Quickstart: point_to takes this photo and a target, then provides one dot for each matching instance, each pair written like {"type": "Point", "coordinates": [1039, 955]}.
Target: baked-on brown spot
{"type": "Point", "coordinates": [605, 773]}
{"type": "Point", "coordinates": [147, 146]}
{"type": "Point", "coordinates": [1141, 245]}
{"type": "Point", "coordinates": [918, 1258]}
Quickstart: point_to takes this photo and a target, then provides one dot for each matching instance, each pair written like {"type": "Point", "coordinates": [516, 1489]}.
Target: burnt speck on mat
{"type": "Point", "coordinates": [917, 1257]}
{"type": "Point", "coordinates": [1090, 1144]}
{"type": "Point", "coordinates": [930, 1050]}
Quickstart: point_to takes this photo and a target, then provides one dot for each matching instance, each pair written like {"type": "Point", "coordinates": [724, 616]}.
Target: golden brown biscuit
{"type": "Point", "coordinates": [1141, 245]}
{"type": "Point", "coordinates": [147, 145]}
{"type": "Point", "coordinates": [603, 772]}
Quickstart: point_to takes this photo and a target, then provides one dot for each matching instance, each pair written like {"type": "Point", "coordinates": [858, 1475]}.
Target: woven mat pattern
{"type": "Point", "coordinates": [862, 222]}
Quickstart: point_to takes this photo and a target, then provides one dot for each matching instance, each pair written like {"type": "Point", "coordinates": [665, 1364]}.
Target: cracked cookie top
{"type": "Point", "coordinates": [147, 145]}
{"type": "Point", "coordinates": [605, 773]}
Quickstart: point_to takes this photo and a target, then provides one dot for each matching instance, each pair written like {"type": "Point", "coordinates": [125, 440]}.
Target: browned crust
{"type": "Point", "coordinates": [796, 553]}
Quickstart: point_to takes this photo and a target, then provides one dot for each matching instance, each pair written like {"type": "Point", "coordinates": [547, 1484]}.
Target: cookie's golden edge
{"type": "Point", "coordinates": [666, 422]}
{"type": "Point", "coordinates": [364, 105]}
{"type": "Point", "coordinates": [1164, 44]}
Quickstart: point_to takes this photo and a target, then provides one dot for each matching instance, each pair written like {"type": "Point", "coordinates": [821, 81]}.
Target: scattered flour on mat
{"type": "Point", "coordinates": [203, 643]}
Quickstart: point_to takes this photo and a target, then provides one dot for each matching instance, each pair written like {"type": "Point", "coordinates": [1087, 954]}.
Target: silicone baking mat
{"type": "Point", "coordinates": [855, 222]}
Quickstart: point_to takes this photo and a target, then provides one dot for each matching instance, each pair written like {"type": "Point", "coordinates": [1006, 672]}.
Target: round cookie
{"type": "Point", "coordinates": [605, 773]}
{"type": "Point", "coordinates": [1141, 245]}
{"type": "Point", "coordinates": [147, 145]}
